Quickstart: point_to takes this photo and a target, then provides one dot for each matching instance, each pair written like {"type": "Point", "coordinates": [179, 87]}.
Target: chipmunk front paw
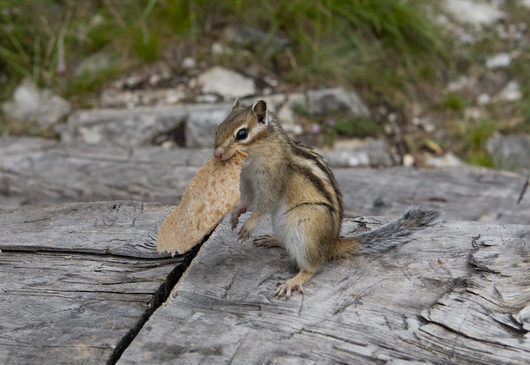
{"type": "Point", "coordinates": [234, 218]}
{"type": "Point", "coordinates": [246, 230]}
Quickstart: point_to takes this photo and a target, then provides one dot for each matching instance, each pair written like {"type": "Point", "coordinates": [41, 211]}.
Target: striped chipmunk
{"type": "Point", "coordinates": [293, 184]}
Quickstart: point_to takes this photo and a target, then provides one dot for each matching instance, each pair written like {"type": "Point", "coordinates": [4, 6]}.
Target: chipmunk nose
{"type": "Point", "coordinates": [217, 153]}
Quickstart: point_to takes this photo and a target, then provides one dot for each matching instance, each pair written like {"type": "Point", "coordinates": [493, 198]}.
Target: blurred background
{"type": "Point", "coordinates": [386, 82]}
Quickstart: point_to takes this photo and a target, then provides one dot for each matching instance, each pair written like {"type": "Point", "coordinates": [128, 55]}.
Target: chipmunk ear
{"type": "Point", "coordinates": [260, 109]}
{"type": "Point", "coordinates": [237, 104]}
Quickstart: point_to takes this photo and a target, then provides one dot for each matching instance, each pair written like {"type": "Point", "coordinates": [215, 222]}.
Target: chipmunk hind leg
{"type": "Point", "coordinates": [307, 241]}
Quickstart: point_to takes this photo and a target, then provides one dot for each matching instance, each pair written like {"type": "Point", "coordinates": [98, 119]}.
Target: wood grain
{"type": "Point", "coordinates": [76, 279]}
{"type": "Point", "coordinates": [456, 293]}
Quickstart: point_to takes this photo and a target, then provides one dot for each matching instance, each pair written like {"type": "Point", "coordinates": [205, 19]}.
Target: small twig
{"type": "Point", "coordinates": [523, 191]}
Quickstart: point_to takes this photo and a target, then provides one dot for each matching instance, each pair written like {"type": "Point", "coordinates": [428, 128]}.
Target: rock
{"type": "Point", "coordinates": [511, 92]}
{"type": "Point", "coordinates": [218, 49]}
{"type": "Point", "coordinates": [286, 112]}
{"type": "Point", "coordinates": [483, 99]}
{"type": "Point", "coordinates": [358, 152]}
{"type": "Point", "coordinates": [201, 125]}
{"type": "Point", "coordinates": [112, 98]}
{"type": "Point", "coordinates": [94, 64]}
{"type": "Point", "coordinates": [474, 12]}
{"type": "Point", "coordinates": [40, 106]}
{"type": "Point", "coordinates": [173, 96]}
{"type": "Point", "coordinates": [499, 60]}
{"type": "Point", "coordinates": [473, 113]}
{"type": "Point", "coordinates": [142, 126]}
{"type": "Point", "coordinates": [207, 98]}
{"type": "Point", "coordinates": [447, 160]}
{"type": "Point", "coordinates": [189, 62]}
{"type": "Point", "coordinates": [408, 160]}
{"type": "Point", "coordinates": [337, 99]}
{"type": "Point", "coordinates": [510, 152]}
{"type": "Point", "coordinates": [124, 127]}
{"type": "Point", "coordinates": [226, 83]}
{"type": "Point", "coordinates": [463, 82]}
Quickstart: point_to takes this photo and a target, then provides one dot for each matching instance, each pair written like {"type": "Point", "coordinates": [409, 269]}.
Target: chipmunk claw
{"type": "Point", "coordinates": [246, 230]}
{"type": "Point", "coordinates": [234, 218]}
{"type": "Point", "coordinates": [244, 234]}
{"type": "Point", "coordinates": [286, 289]}
{"type": "Point", "coordinates": [234, 221]}
{"type": "Point", "coordinates": [266, 241]}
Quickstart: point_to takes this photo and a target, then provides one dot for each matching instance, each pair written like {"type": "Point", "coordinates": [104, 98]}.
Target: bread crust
{"type": "Point", "coordinates": [208, 197]}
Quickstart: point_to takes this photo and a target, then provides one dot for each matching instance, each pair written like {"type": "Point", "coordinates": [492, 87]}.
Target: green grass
{"type": "Point", "coordinates": [469, 138]}
{"type": "Point", "coordinates": [454, 102]}
{"type": "Point", "coordinates": [376, 45]}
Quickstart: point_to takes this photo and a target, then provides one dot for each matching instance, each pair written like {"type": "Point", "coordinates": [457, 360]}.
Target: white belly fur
{"type": "Point", "coordinates": [289, 235]}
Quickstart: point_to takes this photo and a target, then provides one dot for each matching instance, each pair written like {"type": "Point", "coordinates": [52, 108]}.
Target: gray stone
{"type": "Point", "coordinates": [337, 99]}
{"type": "Point", "coordinates": [474, 12]}
{"type": "Point", "coordinates": [112, 98]}
{"type": "Point", "coordinates": [31, 104]}
{"type": "Point", "coordinates": [201, 125]}
{"type": "Point", "coordinates": [446, 160]}
{"type": "Point", "coordinates": [226, 83]}
{"type": "Point", "coordinates": [142, 126]}
{"type": "Point", "coordinates": [125, 127]}
{"type": "Point", "coordinates": [510, 152]}
{"type": "Point", "coordinates": [511, 92]}
{"type": "Point", "coordinates": [359, 153]}
{"type": "Point", "coordinates": [499, 60]}
{"type": "Point", "coordinates": [94, 64]}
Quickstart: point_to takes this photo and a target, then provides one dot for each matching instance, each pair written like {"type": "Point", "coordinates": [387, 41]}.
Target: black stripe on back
{"type": "Point", "coordinates": [315, 180]}
{"type": "Point", "coordinates": [302, 152]}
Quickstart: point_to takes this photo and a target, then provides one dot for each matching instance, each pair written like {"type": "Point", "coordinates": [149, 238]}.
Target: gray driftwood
{"type": "Point", "coordinates": [37, 171]}
{"type": "Point", "coordinates": [75, 280]}
{"type": "Point", "coordinates": [456, 293]}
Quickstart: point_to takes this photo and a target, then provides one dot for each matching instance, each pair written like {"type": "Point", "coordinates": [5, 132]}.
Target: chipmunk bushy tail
{"type": "Point", "coordinates": [391, 234]}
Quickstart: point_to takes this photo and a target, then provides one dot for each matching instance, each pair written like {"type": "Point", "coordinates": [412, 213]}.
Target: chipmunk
{"type": "Point", "coordinates": [293, 184]}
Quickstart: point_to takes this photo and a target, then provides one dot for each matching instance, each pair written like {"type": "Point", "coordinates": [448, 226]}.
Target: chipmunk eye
{"type": "Point", "coordinates": [241, 134]}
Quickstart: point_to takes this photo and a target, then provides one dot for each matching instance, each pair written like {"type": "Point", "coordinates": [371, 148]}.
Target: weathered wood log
{"type": "Point", "coordinates": [37, 171]}
{"type": "Point", "coordinates": [456, 293]}
{"type": "Point", "coordinates": [77, 281]}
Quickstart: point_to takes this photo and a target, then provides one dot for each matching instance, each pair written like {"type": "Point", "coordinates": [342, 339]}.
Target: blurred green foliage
{"type": "Point", "coordinates": [378, 45]}
{"type": "Point", "coordinates": [454, 101]}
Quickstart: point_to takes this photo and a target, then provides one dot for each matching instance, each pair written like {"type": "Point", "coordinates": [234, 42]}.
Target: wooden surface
{"type": "Point", "coordinates": [41, 172]}
{"type": "Point", "coordinates": [75, 280]}
{"type": "Point", "coordinates": [78, 281]}
{"type": "Point", "coordinates": [456, 293]}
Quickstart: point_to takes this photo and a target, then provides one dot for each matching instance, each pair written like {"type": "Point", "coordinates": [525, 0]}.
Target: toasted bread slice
{"type": "Point", "coordinates": [209, 196]}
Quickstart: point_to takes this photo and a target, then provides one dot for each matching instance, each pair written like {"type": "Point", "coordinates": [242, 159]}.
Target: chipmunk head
{"type": "Point", "coordinates": [241, 129]}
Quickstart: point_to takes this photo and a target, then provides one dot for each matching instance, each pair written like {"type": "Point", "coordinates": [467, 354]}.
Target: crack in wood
{"type": "Point", "coordinates": [65, 251]}
{"type": "Point", "coordinates": [161, 295]}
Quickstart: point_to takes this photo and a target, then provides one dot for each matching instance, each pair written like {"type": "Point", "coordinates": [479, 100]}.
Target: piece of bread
{"type": "Point", "coordinates": [209, 196]}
